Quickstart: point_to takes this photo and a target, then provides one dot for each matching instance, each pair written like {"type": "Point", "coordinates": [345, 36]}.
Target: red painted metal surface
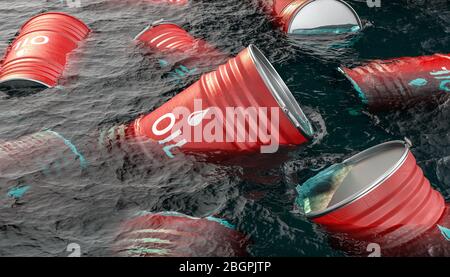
{"type": "Point", "coordinates": [390, 83]}
{"type": "Point", "coordinates": [177, 235]}
{"type": "Point", "coordinates": [285, 10]}
{"type": "Point", "coordinates": [400, 208]}
{"type": "Point", "coordinates": [175, 44]}
{"type": "Point", "coordinates": [239, 84]}
{"type": "Point", "coordinates": [38, 55]}
{"type": "Point", "coordinates": [432, 243]}
{"type": "Point", "coordinates": [167, 36]}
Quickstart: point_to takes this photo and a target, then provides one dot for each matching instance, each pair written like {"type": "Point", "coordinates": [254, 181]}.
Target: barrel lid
{"type": "Point", "coordinates": [154, 24]}
{"type": "Point", "coordinates": [321, 17]}
{"type": "Point", "coordinates": [344, 183]}
{"type": "Point", "coordinates": [281, 92]}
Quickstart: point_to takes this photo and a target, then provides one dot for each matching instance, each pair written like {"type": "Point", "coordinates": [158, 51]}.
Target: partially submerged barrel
{"type": "Point", "coordinates": [243, 106]}
{"type": "Point", "coordinates": [42, 151]}
{"type": "Point", "coordinates": [388, 84]}
{"type": "Point", "coordinates": [170, 234]}
{"type": "Point", "coordinates": [177, 47]}
{"type": "Point", "coordinates": [379, 195]}
{"type": "Point", "coordinates": [316, 17]}
{"type": "Point", "coordinates": [38, 55]}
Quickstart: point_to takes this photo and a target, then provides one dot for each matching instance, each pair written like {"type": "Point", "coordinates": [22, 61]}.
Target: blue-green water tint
{"type": "Point", "coordinates": [315, 194]}
{"type": "Point", "coordinates": [445, 232]}
{"type": "Point", "coordinates": [181, 73]}
{"type": "Point", "coordinates": [177, 214]}
{"type": "Point", "coordinates": [72, 147]}
{"type": "Point", "coordinates": [354, 111]}
{"type": "Point", "coordinates": [221, 222]}
{"type": "Point", "coordinates": [18, 192]}
{"type": "Point", "coordinates": [111, 82]}
{"type": "Point", "coordinates": [420, 82]}
{"type": "Point", "coordinates": [358, 89]}
{"type": "Point", "coordinates": [163, 63]}
{"type": "Point", "coordinates": [327, 30]}
{"type": "Point", "coordinates": [445, 85]}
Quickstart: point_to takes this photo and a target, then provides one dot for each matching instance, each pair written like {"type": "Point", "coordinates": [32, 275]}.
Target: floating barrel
{"type": "Point", "coordinates": [315, 17]}
{"type": "Point", "coordinates": [45, 150]}
{"type": "Point", "coordinates": [170, 234]}
{"type": "Point", "coordinates": [242, 106]}
{"type": "Point", "coordinates": [178, 46]}
{"type": "Point", "coordinates": [38, 55]}
{"type": "Point", "coordinates": [392, 83]}
{"type": "Point", "coordinates": [379, 195]}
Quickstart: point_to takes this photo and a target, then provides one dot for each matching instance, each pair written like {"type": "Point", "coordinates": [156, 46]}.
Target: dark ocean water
{"type": "Point", "coordinates": [110, 80]}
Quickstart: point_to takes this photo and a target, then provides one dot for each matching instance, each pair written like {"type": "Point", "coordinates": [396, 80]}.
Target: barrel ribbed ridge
{"type": "Point", "coordinates": [42, 63]}
{"type": "Point", "coordinates": [240, 74]}
{"type": "Point", "coordinates": [401, 209]}
{"type": "Point", "coordinates": [71, 24]}
{"type": "Point", "coordinates": [168, 37]}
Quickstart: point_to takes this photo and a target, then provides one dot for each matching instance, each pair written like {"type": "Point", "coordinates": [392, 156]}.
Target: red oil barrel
{"type": "Point", "coordinates": [177, 46]}
{"type": "Point", "coordinates": [242, 106]}
{"type": "Point", "coordinates": [38, 55]}
{"type": "Point", "coordinates": [38, 152]}
{"type": "Point", "coordinates": [171, 234]}
{"type": "Point", "coordinates": [315, 17]}
{"type": "Point", "coordinates": [379, 195]}
{"type": "Point", "coordinates": [392, 83]}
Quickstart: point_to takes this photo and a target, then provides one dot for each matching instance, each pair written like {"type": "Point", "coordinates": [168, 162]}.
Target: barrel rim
{"type": "Point", "coordinates": [358, 19]}
{"type": "Point", "coordinates": [282, 95]}
{"type": "Point", "coordinates": [356, 86]}
{"type": "Point", "coordinates": [358, 157]}
{"type": "Point", "coordinates": [154, 24]}
{"type": "Point", "coordinates": [296, 11]}
{"type": "Point", "coordinates": [5, 82]}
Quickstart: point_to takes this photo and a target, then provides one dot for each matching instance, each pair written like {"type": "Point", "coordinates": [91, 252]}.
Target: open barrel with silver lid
{"type": "Point", "coordinates": [379, 195]}
{"type": "Point", "coordinates": [243, 106]}
{"type": "Point", "coordinates": [316, 17]}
